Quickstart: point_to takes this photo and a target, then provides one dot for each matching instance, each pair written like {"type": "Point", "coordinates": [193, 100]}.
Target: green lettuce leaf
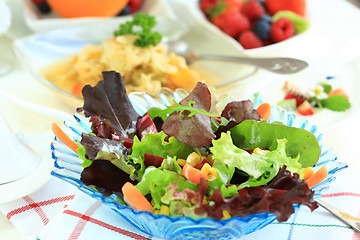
{"type": "Point", "coordinates": [251, 134]}
{"type": "Point", "coordinates": [155, 182]}
{"type": "Point", "coordinates": [155, 143]}
{"type": "Point", "coordinates": [226, 152]}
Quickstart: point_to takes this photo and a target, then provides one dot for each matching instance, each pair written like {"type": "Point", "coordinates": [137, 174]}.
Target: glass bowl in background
{"type": "Point", "coordinates": [68, 168]}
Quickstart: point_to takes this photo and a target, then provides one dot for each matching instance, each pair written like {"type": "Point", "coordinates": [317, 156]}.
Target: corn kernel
{"type": "Point", "coordinates": [164, 210]}
{"type": "Point", "coordinates": [156, 211]}
{"type": "Point", "coordinates": [260, 151]}
{"type": "Point", "coordinates": [206, 169]}
{"type": "Point", "coordinates": [226, 214]}
{"type": "Point", "coordinates": [204, 201]}
{"type": "Point", "coordinates": [181, 162]}
{"type": "Point", "coordinates": [213, 174]}
{"type": "Point", "coordinates": [193, 159]}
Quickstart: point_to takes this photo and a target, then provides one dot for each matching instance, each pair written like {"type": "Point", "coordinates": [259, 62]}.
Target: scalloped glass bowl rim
{"type": "Point", "coordinates": [280, 115]}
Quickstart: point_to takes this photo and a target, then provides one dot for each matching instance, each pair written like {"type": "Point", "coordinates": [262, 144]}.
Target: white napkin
{"type": "Point", "coordinates": [60, 211]}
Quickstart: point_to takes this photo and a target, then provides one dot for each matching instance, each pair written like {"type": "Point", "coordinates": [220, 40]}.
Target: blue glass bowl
{"type": "Point", "coordinates": [68, 168]}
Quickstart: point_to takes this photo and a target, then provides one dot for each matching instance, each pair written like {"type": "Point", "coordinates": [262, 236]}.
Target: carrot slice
{"type": "Point", "coordinates": [135, 198]}
{"type": "Point", "coordinates": [308, 172]}
{"type": "Point", "coordinates": [76, 89]}
{"type": "Point", "coordinates": [64, 138]}
{"type": "Point", "coordinates": [264, 111]}
{"type": "Point", "coordinates": [193, 174]}
{"type": "Point", "coordinates": [317, 177]}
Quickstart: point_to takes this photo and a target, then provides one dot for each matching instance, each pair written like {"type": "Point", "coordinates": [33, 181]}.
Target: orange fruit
{"type": "Point", "coordinates": [87, 8]}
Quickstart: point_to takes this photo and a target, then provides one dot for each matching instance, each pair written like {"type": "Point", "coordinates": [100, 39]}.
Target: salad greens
{"type": "Point", "coordinates": [195, 163]}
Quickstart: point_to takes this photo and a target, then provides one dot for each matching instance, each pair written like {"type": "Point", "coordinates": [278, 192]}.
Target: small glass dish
{"type": "Point", "coordinates": [68, 168]}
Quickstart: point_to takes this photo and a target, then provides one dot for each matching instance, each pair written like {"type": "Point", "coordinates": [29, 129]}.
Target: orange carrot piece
{"type": "Point", "coordinates": [317, 177]}
{"type": "Point", "coordinates": [193, 174]}
{"type": "Point", "coordinates": [338, 91]}
{"type": "Point", "coordinates": [308, 172]}
{"type": "Point", "coordinates": [135, 198]}
{"type": "Point", "coordinates": [264, 111]}
{"type": "Point", "coordinates": [76, 89]}
{"type": "Point", "coordinates": [64, 138]}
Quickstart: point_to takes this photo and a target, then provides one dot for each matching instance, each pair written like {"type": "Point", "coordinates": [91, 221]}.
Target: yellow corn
{"type": "Point", "coordinates": [206, 169]}
{"type": "Point", "coordinates": [260, 151]}
{"type": "Point", "coordinates": [213, 174]}
{"type": "Point", "coordinates": [156, 211]}
{"type": "Point", "coordinates": [209, 171]}
{"type": "Point", "coordinates": [204, 201]}
{"type": "Point", "coordinates": [164, 210]}
{"type": "Point", "coordinates": [226, 214]}
{"type": "Point", "coordinates": [181, 162]}
{"type": "Point", "coordinates": [193, 159]}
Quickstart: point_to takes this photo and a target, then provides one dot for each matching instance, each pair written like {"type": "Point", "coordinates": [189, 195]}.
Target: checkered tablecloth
{"type": "Point", "coordinates": [59, 211]}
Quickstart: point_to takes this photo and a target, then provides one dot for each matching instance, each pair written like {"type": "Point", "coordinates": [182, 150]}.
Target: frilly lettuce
{"type": "Point", "coordinates": [260, 168]}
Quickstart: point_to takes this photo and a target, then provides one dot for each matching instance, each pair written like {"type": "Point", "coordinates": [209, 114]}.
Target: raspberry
{"type": "Point", "coordinates": [232, 23]}
{"type": "Point", "coordinates": [282, 29]}
{"type": "Point", "coordinates": [249, 40]}
{"type": "Point", "coordinates": [252, 9]}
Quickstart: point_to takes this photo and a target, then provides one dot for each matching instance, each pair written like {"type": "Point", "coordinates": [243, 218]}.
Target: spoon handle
{"type": "Point", "coordinates": [280, 65]}
{"type": "Point", "coordinates": [346, 218]}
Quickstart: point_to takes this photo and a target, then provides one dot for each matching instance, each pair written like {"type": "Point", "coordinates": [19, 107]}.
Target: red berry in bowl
{"type": "Point", "coordinates": [135, 5]}
{"type": "Point", "coordinates": [252, 9]}
{"type": "Point", "coordinates": [232, 23]}
{"type": "Point", "coordinates": [281, 30]}
{"type": "Point", "coordinates": [249, 40]}
{"type": "Point", "coordinates": [296, 6]}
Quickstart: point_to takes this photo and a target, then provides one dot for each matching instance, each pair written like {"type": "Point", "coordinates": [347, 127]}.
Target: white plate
{"type": "Point", "coordinates": [346, 77]}
{"type": "Point", "coordinates": [34, 180]}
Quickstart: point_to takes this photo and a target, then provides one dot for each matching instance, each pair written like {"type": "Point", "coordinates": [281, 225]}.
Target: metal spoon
{"type": "Point", "coordinates": [280, 65]}
{"type": "Point", "coordinates": [346, 218]}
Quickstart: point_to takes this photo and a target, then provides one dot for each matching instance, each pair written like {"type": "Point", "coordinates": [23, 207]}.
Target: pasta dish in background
{"type": "Point", "coordinates": [143, 69]}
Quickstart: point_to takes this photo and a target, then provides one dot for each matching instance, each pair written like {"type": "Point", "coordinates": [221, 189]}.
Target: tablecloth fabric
{"type": "Point", "coordinates": [59, 211]}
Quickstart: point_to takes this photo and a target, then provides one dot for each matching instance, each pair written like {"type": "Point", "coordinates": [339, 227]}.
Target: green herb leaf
{"type": "Point", "coordinates": [336, 103]}
{"type": "Point", "coordinates": [327, 87]}
{"type": "Point", "coordinates": [141, 25]}
{"type": "Point", "coordinates": [164, 113]}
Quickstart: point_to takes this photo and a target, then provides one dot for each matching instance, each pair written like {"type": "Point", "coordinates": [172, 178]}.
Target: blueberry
{"type": "Point", "coordinates": [125, 11]}
{"type": "Point", "coordinates": [265, 17]}
{"type": "Point", "coordinates": [44, 7]}
{"type": "Point", "coordinates": [262, 28]}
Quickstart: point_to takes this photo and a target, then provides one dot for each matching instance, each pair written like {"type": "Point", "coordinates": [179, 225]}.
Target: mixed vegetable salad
{"type": "Point", "coordinates": [187, 160]}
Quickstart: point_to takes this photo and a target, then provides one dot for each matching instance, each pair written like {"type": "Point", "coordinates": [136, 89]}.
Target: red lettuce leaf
{"type": "Point", "coordinates": [101, 174]}
{"type": "Point", "coordinates": [195, 131]}
{"type": "Point", "coordinates": [279, 197]}
{"type": "Point", "coordinates": [109, 100]}
{"type": "Point", "coordinates": [236, 112]}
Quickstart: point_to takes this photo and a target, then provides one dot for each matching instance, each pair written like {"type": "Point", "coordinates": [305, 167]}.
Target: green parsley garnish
{"type": "Point", "coordinates": [141, 25]}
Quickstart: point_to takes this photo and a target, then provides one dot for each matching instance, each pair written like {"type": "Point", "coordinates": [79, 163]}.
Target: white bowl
{"type": "Point", "coordinates": [196, 18]}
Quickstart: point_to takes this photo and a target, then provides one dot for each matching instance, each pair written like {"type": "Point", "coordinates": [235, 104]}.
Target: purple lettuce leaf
{"type": "Point", "coordinates": [109, 100]}
{"type": "Point", "coordinates": [285, 190]}
{"type": "Point", "coordinates": [194, 131]}
{"type": "Point", "coordinates": [236, 112]}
